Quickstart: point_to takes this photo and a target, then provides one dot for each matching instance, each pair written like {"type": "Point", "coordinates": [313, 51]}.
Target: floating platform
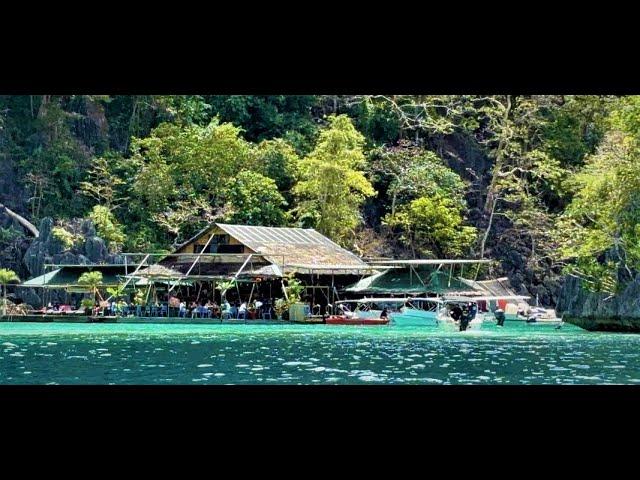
{"type": "Point", "coordinates": [138, 320]}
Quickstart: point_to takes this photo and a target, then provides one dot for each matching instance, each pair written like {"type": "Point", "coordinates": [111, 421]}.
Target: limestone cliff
{"type": "Point", "coordinates": [600, 311]}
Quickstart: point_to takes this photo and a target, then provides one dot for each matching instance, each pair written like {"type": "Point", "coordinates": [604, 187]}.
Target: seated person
{"type": "Point", "coordinates": [215, 309]}
{"type": "Point", "coordinates": [182, 309]}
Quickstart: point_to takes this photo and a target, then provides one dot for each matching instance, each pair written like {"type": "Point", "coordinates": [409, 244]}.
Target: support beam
{"type": "Point", "coordinates": [131, 277]}
{"type": "Point", "coordinates": [199, 255]}
{"type": "Point", "coordinates": [418, 275]}
{"type": "Point", "coordinates": [242, 267]}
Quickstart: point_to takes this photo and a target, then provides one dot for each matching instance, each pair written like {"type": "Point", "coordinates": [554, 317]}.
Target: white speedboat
{"type": "Point", "coordinates": [418, 312]}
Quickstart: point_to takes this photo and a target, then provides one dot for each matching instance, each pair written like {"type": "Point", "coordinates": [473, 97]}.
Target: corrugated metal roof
{"type": "Point", "coordinates": [299, 245]}
{"type": "Point", "coordinates": [286, 245]}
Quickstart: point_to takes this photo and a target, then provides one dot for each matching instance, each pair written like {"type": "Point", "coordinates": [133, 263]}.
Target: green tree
{"type": "Point", "coordinates": [333, 186]}
{"type": "Point", "coordinates": [92, 281]}
{"type": "Point", "coordinates": [104, 183]}
{"type": "Point", "coordinates": [432, 226]}
{"type": "Point", "coordinates": [278, 160]}
{"type": "Point", "coordinates": [253, 199]}
{"type": "Point", "coordinates": [182, 172]}
{"type": "Point", "coordinates": [107, 227]}
{"type": "Point", "coordinates": [406, 172]}
{"type": "Point", "coordinates": [600, 230]}
{"type": "Point", "coordinates": [6, 277]}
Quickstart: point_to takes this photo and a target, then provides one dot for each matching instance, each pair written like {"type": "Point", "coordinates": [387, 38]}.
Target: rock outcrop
{"type": "Point", "coordinates": [600, 311]}
{"type": "Point", "coordinates": [47, 249]}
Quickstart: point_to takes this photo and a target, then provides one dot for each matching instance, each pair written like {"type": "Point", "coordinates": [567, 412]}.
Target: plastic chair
{"type": "Point", "coordinates": [266, 315]}
{"type": "Point", "coordinates": [164, 311]}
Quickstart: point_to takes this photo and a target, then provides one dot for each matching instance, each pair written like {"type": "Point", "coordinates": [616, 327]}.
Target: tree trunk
{"type": "Point", "coordinates": [499, 160]}
{"type": "Point", "coordinates": [21, 220]}
{"type": "Point", "coordinates": [44, 102]}
{"type": "Point", "coordinates": [486, 233]}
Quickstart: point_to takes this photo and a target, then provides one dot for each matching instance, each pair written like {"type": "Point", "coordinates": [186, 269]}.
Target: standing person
{"type": "Point", "coordinates": [465, 318]}
{"type": "Point", "coordinates": [242, 310]}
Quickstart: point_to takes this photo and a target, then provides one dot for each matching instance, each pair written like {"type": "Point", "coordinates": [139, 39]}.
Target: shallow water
{"type": "Point", "coordinates": [519, 353]}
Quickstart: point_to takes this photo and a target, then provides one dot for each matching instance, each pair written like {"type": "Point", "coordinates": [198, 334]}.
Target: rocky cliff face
{"type": "Point", "coordinates": [47, 249]}
{"type": "Point", "coordinates": [599, 311]}
{"type": "Point", "coordinates": [511, 247]}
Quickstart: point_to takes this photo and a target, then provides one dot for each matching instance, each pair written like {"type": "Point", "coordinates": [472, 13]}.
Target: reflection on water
{"type": "Point", "coordinates": [315, 354]}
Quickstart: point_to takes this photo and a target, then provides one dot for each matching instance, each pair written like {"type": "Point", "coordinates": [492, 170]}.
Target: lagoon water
{"type": "Point", "coordinates": [518, 353]}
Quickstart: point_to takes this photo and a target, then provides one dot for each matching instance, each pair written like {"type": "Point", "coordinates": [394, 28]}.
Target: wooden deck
{"type": "Point", "coordinates": [138, 320]}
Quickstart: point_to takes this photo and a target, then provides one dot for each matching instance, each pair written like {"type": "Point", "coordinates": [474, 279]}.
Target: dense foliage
{"type": "Point", "coordinates": [541, 183]}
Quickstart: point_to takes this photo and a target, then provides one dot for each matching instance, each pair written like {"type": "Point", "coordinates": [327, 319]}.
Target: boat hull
{"type": "Point", "coordinates": [343, 320]}
{"type": "Point", "coordinates": [414, 318]}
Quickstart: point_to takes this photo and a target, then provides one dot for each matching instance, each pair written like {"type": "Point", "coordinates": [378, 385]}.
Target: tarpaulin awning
{"type": "Point", "coordinates": [66, 277]}
{"type": "Point", "coordinates": [398, 281]}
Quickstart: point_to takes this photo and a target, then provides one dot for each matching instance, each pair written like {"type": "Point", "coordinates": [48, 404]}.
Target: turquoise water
{"type": "Point", "coordinates": [519, 353]}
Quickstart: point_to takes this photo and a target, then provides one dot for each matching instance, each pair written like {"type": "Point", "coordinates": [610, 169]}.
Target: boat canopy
{"type": "Point", "coordinates": [409, 281]}
{"type": "Point", "coordinates": [427, 299]}
{"type": "Point", "coordinates": [487, 298]}
{"type": "Point", "coordinates": [430, 261]}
